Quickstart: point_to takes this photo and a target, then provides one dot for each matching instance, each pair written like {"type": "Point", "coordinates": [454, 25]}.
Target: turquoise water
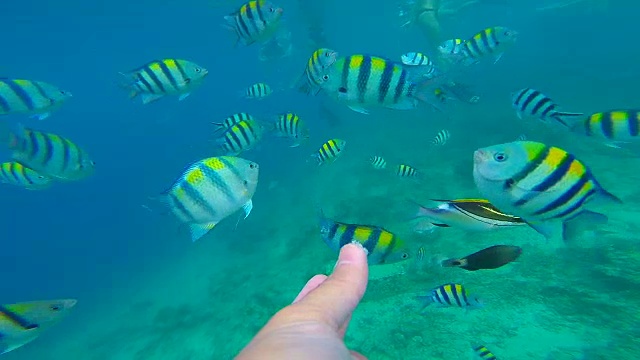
{"type": "Point", "coordinates": [146, 291]}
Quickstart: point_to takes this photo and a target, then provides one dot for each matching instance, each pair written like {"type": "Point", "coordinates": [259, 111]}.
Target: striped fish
{"type": "Point", "coordinates": [451, 48]}
{"type": "Point", "coordinates": [50, 154]}
{"type": "Point", "coordinates": [441, 137]}
{"type": "Point", "coordinates": [490, 41]}
{"type": "Point", "coordinates": [383, 246]}
{"type": "Point", "coordinates": [159, 78]}
{"type": "Point", "coordinates": [467, 214]}
{"type": "Point", "coordinates": [378, 162]}
{"type": "Point", "coordinates": [31, 97]}
{"type": "Point", "coordinates": [330, 151]}
{"type": "Point", "coordinates": [544, 185]}
{"type": "Point", "coordinates": [406, 171]}
{"type": "Point", "coordinates": [483, 352]}
{"type": "Point", "coordinates": [255, 21]}
{"type": "Point", "coordinates": [210, 190]}
{"type": "Point", "coordinates": [258, 91]}
{"type": "Point", "coordinates": [315, 73]}
{"type": "Point", "coordinates": [289, 125]}
{"type": "Point", "coordinates": [14, 173]}
{"type": "Point", "coordinates": [231, 120]}
{"type": "Point", "coordinates": [533, 103]}
{"type": "Point", "coordinates": [416, 59]}
{"type": "Point", "coordinates": [22, 323]}
{"type": "Point", "coordinates": [451, 295]}
{"type": "Point", "coordinates": [362, 81]}
{"type": "Point", "coordinates": [612, 127]}
{"type": "Point", "coordinates": [240, 137]}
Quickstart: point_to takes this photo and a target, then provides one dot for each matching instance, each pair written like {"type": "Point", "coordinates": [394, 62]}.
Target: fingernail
{"type": "Point", "coordinates": [346, 256]}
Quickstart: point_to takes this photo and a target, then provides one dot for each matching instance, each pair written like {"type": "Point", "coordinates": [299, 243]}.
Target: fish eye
{"type": "Point", "coordinates": [54, 307]}
{"type": "Point", "coordinates": [272, 9]}
{"type": "Point", "coordinates": [405, 256]}
{"type": "Point", "coordinates": [326, 77]}
{"type": "Point", "coordinates": [245, 183]}
{"type": "Point", "coordinates": [198, 70]}
{"type": "Point", "coordinates": [500, 157]}
{"type": "Point", "coordinates": [342, 90]}
{"type": "Point", "coordinates": [40, 177]}
{"type": "Point", "coordinates": [253, 166]}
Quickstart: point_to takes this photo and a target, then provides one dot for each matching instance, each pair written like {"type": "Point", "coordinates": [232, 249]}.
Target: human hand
{"type": "Point", "coordinates": [313, 326]}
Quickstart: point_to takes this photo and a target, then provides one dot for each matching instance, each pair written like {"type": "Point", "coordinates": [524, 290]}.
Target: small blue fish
{"type": "Point", "coordinates": [451, 295]}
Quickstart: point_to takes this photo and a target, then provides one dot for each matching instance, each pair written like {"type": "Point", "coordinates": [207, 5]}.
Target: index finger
{"type": "Point", "coordinates": [335, 299]}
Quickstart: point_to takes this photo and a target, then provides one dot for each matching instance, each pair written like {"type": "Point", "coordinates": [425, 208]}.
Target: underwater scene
{"type": "Point", "coordinates": [174, 172]}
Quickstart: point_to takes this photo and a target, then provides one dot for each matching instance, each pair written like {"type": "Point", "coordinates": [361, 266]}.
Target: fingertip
{"type": "Point", "coordinates": [353, 253]}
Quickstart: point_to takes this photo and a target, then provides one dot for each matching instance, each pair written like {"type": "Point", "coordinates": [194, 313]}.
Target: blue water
{"type": "Point", "coordinates": [92, 240]}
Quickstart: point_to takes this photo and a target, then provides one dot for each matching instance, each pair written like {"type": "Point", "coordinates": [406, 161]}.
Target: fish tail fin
{"type": "Point", "coordinates": [11, 135]}
{"type": "Point", "coordinates": [230, 24]}
{"type": "Point", "coordinates": [453, 262]}
{"type": "Point", "coordinates": [586, 220]}
{"type": "Point", "coordinates": [219, 126]}
{"type": "Point", "coordinates": [425, 300]}
{"type": "Point", "coordinates": [567, 118]}
{"type": "Point", "coordinates": [127, 80]}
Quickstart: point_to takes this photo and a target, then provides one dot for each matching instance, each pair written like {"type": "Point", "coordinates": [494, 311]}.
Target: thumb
{"type": "Point", "coordinates": [336, 298]}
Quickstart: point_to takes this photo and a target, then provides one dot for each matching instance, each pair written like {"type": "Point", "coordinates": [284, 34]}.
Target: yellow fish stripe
{"type": "Point", "coordinates": [214, 163]}
{"type": "Point", "coordinates": [195, 176]}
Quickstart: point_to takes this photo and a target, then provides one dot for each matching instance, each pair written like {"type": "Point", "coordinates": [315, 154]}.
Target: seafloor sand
{"type": "Point", "coordinates": [575, 301]}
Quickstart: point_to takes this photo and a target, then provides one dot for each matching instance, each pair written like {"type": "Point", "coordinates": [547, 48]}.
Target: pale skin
{"type": "Point", "coordinates": [314, 325]}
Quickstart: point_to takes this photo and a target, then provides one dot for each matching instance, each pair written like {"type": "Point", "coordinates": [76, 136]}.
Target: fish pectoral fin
{"type": "Point", "coordinates": [359, 109]}
{"type": "Point", "coordinates": [200, 230]}
{"type": "Point", "coordinates": [586, 220]}
{"type": "Point", "coordinates": [149, 98]}
{"type": "Point", "coordinates": [550, 229]}
{"type": "Point", "coordinates": [183, 96]}
{"type": "Point", "coordinates": [247, 208]}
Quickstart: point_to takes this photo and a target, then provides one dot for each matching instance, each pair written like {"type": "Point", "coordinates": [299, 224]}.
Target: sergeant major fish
{"type": "Point", "coordinates": [383, 246]}
{"type": "Point", "coordinates": [258, 91]}
{"type": "Point", "coordinates": [483, 353]}
{"type": "Point", "coordinates": [50, 154]}
{"type": "Point", "coordinates": [544, 185]}
{"type": "Point", "coordinates": [533, 103]}
{"type": "Point", "coordinates": [490, 41]}
{"type": "Point", "coordinates": [378, 162]}
{"type": "Point", "coordinates": [255, 21]}
{"type": "Point", "coordinates": [363, 81]}
{"type": "Point", "coordinates": [330, 151]}
{"type": "Point", "coordinates": [211, 190]}
{"type": "Point", "coordinates": [310, 82]}
{"type": "Point", "coordinates": [450, 295]}
{"type": "Point", "coordinates": [289, 125]}
{"type": "Point", "coordinates": [160, 78]}
{"type": "Point", "coordinates": [32, 97]}
{"type": "Point", "coordinates": [17, 174]}
{"type": "Point", "coordinates": [406, 171]}
{"type": "Point", "coordinates": [22, 323]}
{"type": "Point", "coordinates": [611, 127]}
{"type": "Point", "coordinates": [241, 137]}
{"type": "Point", "coordinates": [231, 120]}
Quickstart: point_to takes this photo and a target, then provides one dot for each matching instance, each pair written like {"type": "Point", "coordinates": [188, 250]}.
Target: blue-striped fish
{"type": "Point", "coordinates": [310, 82]}
{"type": "Point", "coordinates": [467, 214]}
{"type": "Point", "coordinates": [441, 137]}
{"type": "Point", "coordinates": [240, 137]}
{"type": "Point", "coordinates": [30, 97]}
{"type": "Point", "coordinates": [406, 171]}
{"type": "Point", "coordinates": [491, 41]}
{"type": "Point", "coordinates": [255, 21]}
{"type": "Point", "coordinates": [383, 246]}
{"type": "Point", "coordinates": [451, 295]}
{"type": "Point", "coordinates": [533, 103]}
{"type": "Point", "coordinates": [258, 91]}
{"type": "Point", "coordinates": [378, 162]}
{"type": "Point", "coordinates": [544, 185]}
{"type": "Point", "coordinates": [212, 189]}
{"type": "Point", "coordinates": [363, 81]}
{"type": "Point", "coordinates": [22, 323]}
{"type": "Point", "coordinates": [420, 63]}
{"type": "Point", "coordinates": [613, 127]}
{"type": "Point", "coordinates": [483, 352]}
{"type": "Point", "coordinates": [159, 78]}
{"type": "Point", "coordinates": [289, 125]}
{"type": "Point", "coordinates": [330, 151]}
{"type": "Point", "coordinates": [50, 154]}
{"type": "Point", "coordinates": [14, 173]}
{"type": "Point", "coordinates": [231, 120]}
{"type": "Point", "coordinates": [451, 48]}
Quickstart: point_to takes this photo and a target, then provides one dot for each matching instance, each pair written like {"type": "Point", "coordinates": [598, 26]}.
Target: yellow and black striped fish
{"type": "Point", "coordinates": [255, 21]}
{"type": "Point", "coordinates": [31, 97]}
{"type": "Point", "coordinates": [451, 295]}
{"type": "Point", "coordinates": [451, 48]}
{"type": "Point", "coordinates": [490, 41]}
{"type": "Point", "coordinates": [615, 126]}
{"type": "Point", "coordinates": [289, 125]}
{"type": "Point", "coordinates": [22, 323]}
{"type": "Point", "coordinates": [330, 151]}
{"type": "Point", "coordinates": [50, 154]}
{"type": "Point", "coordinates": [483, 352]}
{"type": "Point", "coordinates": [383, 246]}
{"type": "Point", "coordinates": [544, 185]}
{"type": "Point", "coordinates": [378, 162]}
{"type": "Point", "coordinates": [17, 174]}
{"type": "Point", "coordinates": [212, 189]}
{"type": "Point", "coordinates": [406, 171]}
{"type": "Point", "coordinates": [258, 91]}
{"type": "Point", "coordinates": [159, 78]}
{"type": "Point", "coordinates": [231, 120]}
{"type": "Point", "coordinates": [315, 73]}
{"type": "Point", "coordinates": [441, 137]}
{"type": "Point", "coordinates": [241, 137]}
{"type": "Point", "coordinates": [362, 81]}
